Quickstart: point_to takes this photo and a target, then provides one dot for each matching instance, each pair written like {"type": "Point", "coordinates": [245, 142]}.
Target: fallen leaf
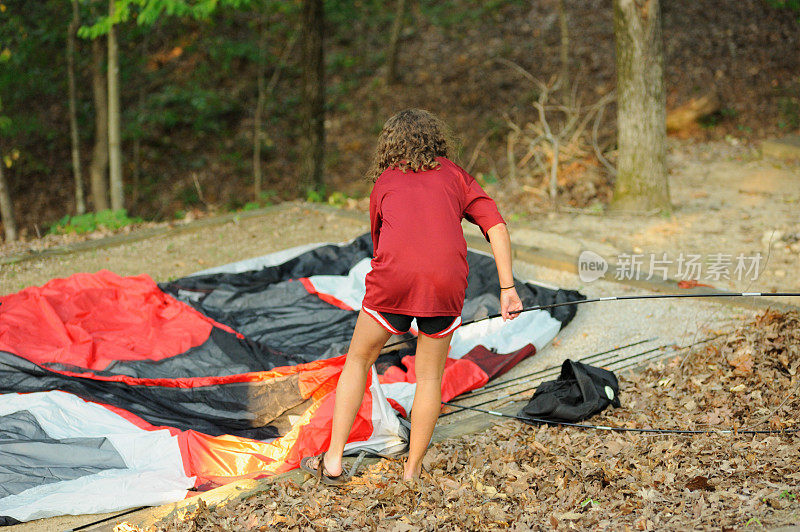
{"type": "Point", "coordinates": [699, 483]}
{"type": "Point", "coordinates": [741, 360]}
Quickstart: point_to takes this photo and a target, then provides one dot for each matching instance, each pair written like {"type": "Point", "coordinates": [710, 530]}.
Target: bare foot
{"type": "Point", "coordinates": [330, 469]}
{"type": "Point", "coordinates": [411, 472]}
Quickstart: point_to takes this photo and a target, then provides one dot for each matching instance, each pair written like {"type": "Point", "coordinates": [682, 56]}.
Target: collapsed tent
{"type": "Point", "coordinates": [120, 392]}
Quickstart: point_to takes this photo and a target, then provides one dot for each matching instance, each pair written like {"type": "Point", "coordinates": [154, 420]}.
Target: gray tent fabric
{"type": "Point", "coordinates": [30, 457]}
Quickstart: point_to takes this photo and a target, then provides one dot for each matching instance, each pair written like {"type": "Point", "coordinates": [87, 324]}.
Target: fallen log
{"type": "Point", "coordinates": [687, 115]}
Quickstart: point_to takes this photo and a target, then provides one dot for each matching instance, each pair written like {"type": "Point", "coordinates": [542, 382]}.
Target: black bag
{"type": "Point", "coordinates": [581, 391]}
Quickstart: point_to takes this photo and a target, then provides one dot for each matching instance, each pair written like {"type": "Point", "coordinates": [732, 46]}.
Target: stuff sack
{"type": "Point", "coordinates": [580, 392]}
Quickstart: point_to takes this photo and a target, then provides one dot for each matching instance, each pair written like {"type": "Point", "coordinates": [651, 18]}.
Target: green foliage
{"type": "Point", "coordinates": [597, 207]}
{"type": "Point", "coordinates": [320, 195]}
{"type": "Point", "coordinates": [789, 5]}
{"type": "Point", "coordinates": [202, 110]}
{"type": "Point", "coordinates": [86, 223]}
{"type": "Point", "coordinates": [5, 122]}
{"type": "Point", "coordinates": [789, 108]}
{"type": "Point", "coordinates": [233, 204]}
{"type": "Point", "coordinates": [266, 198]}
{"type": "Point", "coordinates": [714, 119]}
{"type": "Point", "coordinates": [314, 195]}
{"type": "Point", "coordinates": [793, 5]}
{"type": "Point", "coordinates": [337, 199]}
{"type": "Point", "coordinates": [754, 521]}
{"type": "Point", "coordinates": [487, 178]}
{"type": "Point", "coordinates": [709, 121]}
{"type": "Point", "coordinates": [147, 12]}
{"type": "Point", "coordinates": [31, 36]}
{"type": "Point", "coordinates": [341, 60]}
{"type": "Point", "coordinates": [188, 196]}
{"type": "Point", "coordinates": [341, 14]}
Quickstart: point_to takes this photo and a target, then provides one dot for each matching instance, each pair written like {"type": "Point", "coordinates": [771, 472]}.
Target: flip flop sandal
{"type": "Point", "coordinates": [319, 471]}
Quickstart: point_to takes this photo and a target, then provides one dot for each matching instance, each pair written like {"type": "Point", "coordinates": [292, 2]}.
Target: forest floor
{"type": "Point", "coordinates": [528, 477]}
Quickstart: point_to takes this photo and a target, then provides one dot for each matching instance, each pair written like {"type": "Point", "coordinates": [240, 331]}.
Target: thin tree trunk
{"type": "Point", "coordinates": [257, 119]}
{"type": "Point", "coordinates": [313, 95]}
{"type": "Point", "coordinates": [7, 208]}
{"type": "Point", "coordinates": [262, 108]}
{"type": "Point", "coordinates": [137, 141]}
{"type": "Point", "coordinates": [394, 41]}
{"type": "Point", "coordinates": [564, 51]}
{"type": "Point", "coordinates": [114, 149]}
{"type": "Point", "coordinates": [641, 183]}
{"type": "Point", "coordinates": [99, 164]}
{"type": "Point", "coordinates": [80, 205]}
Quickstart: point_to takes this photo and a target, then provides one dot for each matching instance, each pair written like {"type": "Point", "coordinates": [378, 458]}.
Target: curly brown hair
{"type": "Point", "coordinates": [411, 140]}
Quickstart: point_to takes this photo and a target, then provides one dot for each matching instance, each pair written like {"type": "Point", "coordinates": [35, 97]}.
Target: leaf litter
{"type": "Point", "coordinates": [523, 476]}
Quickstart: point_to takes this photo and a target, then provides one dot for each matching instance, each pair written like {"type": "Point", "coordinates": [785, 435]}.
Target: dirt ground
{"type": "Point", "coordinates": [175, 256]}
{"type": "Point", "coordinates": [727, 199]}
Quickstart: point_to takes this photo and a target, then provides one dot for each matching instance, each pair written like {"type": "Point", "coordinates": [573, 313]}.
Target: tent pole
{"type": "Point", "coordinates": [623, 298]}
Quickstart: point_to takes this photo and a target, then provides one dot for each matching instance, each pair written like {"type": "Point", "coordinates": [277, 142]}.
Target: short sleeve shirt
{"type": "Point", "coordinates": [419, 266]}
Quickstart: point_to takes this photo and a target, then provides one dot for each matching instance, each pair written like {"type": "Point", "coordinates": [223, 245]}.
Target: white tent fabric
{"type": "Point", "coordinates": [536, 327]}
{"type": "Point", "coordinates": [154, 473]}
{"type": "Point", "coordinates": [389, 436]}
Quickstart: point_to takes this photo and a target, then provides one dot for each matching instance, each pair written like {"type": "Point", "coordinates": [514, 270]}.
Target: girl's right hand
{"type": "Point", "coordinates": [509, 301]}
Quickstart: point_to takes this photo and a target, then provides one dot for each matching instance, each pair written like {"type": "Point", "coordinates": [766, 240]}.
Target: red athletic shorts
{"type": "Point", "coordinates": [433, 326]}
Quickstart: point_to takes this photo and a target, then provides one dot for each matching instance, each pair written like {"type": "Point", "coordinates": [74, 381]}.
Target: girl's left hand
{"type": "Point", "coordinates": [509, 301]}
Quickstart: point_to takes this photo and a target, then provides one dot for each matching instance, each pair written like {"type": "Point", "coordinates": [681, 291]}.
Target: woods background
{"type": "Point", "coordinates": [220, 103]}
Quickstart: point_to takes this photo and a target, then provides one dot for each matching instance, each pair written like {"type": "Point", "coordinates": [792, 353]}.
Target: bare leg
{"type": "Point", "coordinates": [365, 346]}
{"type": "Point", "coordinates": [430, 358]}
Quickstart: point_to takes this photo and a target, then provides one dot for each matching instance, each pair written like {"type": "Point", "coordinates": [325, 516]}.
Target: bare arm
{"type": "Point", "coordinates": [501, 249]}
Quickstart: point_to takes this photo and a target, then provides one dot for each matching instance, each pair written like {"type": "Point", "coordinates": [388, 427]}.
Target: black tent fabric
{"type": "Point", "coordinates": [580, 392]}
{"type": "Point", "coordinates": [301, 327]}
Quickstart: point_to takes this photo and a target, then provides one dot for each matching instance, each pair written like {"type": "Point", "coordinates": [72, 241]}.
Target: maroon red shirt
{"type": "Point", "coordinates": [420, 259]}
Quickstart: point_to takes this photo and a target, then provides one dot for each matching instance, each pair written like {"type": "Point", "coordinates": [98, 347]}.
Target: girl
{"type": "Point", "coordinates": [419, 270]}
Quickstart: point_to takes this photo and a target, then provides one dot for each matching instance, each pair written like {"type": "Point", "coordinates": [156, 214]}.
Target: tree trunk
{"type": "Point", "coordinates": [394, 40]}
{"type": "Point", "coordinates": [7, 208]}
{"type": "Point", "coordinates": [80, 205]}
{"type": "Point", "coordinates": [564, 51]}
{"type": "Point", "coordinates": [313, 95]}
{"type": "Point", "coordinates": [257, 119]}
{"type": "Point", "coordinates": [137, 141]}
{"type": "Point", "coordinates": [262, 107]}
{"type": "Point", "coordinates": [641, 183]}
{"type": "Point", "coordinates": [114, 149]}
{"type": "Point", "coordinates": [99, 164]}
